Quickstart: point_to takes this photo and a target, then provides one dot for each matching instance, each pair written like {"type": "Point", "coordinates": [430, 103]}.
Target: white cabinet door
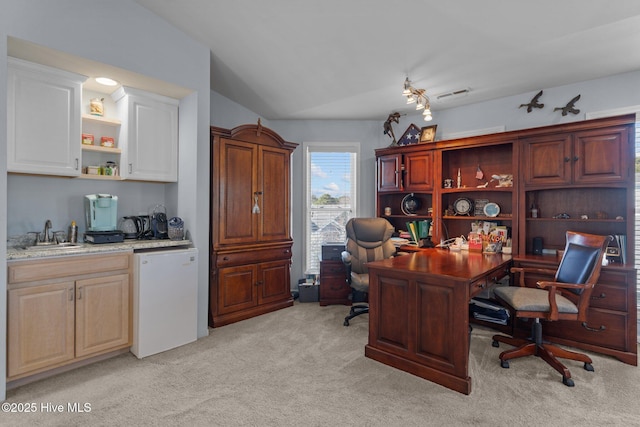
{"type": "Point", "coordinates": [43, 119]}
{"type": "Point", "coordinates": [150, 135]}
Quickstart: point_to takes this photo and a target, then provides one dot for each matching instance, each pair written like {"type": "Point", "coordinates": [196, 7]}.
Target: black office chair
{"type": "Point", "coordinates": [368, 239]}
{"type": "Point", "coordinates": [564, 298]}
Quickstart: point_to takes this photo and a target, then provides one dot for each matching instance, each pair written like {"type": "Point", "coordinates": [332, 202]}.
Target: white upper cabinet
{"type": "Point", "coordinates": [43, 119]}
{"type": "Point", "coordinates": [150, 134]}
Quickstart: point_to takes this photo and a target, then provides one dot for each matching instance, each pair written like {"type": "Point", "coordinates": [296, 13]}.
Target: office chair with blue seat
{"type": "Point", "coordinates": [566, 297]}
{"type": "Point", "coordinates": [368, 239]}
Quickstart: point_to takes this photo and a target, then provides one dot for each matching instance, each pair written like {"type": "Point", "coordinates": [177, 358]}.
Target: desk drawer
{"type": "Point", "coordinates": [332, 269]}
{"type": "Point", "coordinates": [609, 296]}
{"type": "Point", "coordinates": [252, 256]}
{"type": "Point", "coordinates": [478, 286]}
{"type": "Point", "coordinates": [603, 328]}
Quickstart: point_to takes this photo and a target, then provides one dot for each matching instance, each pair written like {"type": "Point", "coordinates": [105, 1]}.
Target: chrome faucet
{"type": "Point", "coordinates": [47, 227]}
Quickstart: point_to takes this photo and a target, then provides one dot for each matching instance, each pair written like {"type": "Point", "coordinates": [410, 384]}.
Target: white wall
{"type": "Point", "coordinates": [120, 33]}
{"type": "Point", "coordinates": [228, 114]}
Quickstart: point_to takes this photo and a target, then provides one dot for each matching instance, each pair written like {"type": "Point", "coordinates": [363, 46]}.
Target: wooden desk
{"type": "Point", "coordinates": [419, 311]}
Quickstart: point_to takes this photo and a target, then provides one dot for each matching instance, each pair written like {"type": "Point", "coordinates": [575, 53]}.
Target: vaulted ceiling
{"type": "Point", "coordinates": [347, 59]}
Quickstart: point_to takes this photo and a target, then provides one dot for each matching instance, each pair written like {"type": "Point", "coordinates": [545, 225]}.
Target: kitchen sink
{"type": "Point", "coordinates": [58, 246]}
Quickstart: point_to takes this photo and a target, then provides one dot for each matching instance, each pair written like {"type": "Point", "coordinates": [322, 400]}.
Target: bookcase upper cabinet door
{"type": "Point", "coordinates": [418, 174]}
{"type": "Point", "coordinates": [595, 156]}
{"type": "Point", "coordinates": [390, 173]}
{"type": "Point", "coordinates": [547, 160]}
{"type": "Point", "coordinates": [599, 155]}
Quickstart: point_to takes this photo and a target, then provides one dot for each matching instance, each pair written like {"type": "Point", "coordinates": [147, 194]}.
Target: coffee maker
{"type": "Point", "coordinates": [101, 214]}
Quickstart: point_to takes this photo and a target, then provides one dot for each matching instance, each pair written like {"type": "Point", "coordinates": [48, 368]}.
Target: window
{"type": "Point", "coordinates": [637, 219]}
{"type": "Point", "coordinates": [331, 174]}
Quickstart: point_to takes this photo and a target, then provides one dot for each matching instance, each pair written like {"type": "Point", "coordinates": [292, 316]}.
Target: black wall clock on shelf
{"type": "Point", "coordinates": [462, 206]}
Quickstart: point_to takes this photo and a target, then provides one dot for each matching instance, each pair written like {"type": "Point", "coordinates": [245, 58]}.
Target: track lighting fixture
{"type": "Point", "coordinates": [419, 97]}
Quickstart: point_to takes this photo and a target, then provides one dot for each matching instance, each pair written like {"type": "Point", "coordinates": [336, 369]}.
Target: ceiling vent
{"type": "Point", "coordinates": [455, 93]}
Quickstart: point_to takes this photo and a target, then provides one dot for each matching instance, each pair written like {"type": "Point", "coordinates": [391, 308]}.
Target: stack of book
{"type": "Point", "coordinates": [488, 310]}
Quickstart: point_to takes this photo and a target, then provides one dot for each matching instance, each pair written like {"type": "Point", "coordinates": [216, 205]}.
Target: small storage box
{"type": "Point", "coordinates": [308, 292]}
{"type": "Point", "coordinates": [332, 251]}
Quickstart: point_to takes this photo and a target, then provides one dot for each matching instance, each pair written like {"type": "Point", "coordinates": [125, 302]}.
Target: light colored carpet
{"type": "Point", "coordinates": [300, 367]}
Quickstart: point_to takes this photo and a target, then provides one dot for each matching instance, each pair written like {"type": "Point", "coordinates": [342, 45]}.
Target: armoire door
{"type": "Point", "coordinates": [273, 198]}
{"type": "Point", "coordinates": [238, 183]}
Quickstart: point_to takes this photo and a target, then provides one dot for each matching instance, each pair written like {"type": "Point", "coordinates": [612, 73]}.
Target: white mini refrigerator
{"type": "Point", "coordinates": [165, 300]}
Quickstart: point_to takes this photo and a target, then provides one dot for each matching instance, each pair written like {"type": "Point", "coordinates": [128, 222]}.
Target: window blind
{"type": "Point", "coordinates": [330, 199]}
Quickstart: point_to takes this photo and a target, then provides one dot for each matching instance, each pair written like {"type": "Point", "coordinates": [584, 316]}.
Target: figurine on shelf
{"type": "Point", "coordinates": [504, 180]}
{"type": "Point", "coordinates": [388, 130]}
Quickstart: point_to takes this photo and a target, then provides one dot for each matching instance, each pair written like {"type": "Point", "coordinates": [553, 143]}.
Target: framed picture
{"type": "Point", "coordinates": [428, 133]}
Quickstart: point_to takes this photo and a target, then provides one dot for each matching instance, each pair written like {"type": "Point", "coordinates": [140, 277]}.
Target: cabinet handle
{"type": "Point", "coordinates": [576, 158]}
{"type": "Point", "coordinates": [130, 167]}
{"type": "Point", "coordinates": [226, 258]}
{"type": "Point", "coordinates": [77, 163]}
{"type": "Point", "coordinates": [258, 283]}
{"type": "Point", "coordinates": [602, 328]}
{"type": "Point", "coordinates": [567, 159]}
{"type": "Point", "coordinates": [79, 293]}
{"type": "Point", "coordinates": [601, 296]}
{"type": "Point", "coordinates": [71, 297]}
{"type": "Point", "coordinates": [256, 206]}
{"type": "Point", "coordinates": [287, 251]}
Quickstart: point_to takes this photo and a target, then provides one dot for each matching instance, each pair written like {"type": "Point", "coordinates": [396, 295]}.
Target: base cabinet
{"type": "Point", "coordinates": [334, 288]}
{"type": "Point", "coordinates": [40, 327]}
{"type": "Point", "coordinates": [54, 321]}
{"type": "Point", "coordinates": [250, 282]}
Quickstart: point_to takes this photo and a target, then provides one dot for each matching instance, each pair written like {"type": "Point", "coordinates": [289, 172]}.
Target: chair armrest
{"type": "Point", "coordinates": [552, 288]}
{"type": "Point", "coordinates": [543, 284]}
{"type": "Point", "coordinates": [524, 270]}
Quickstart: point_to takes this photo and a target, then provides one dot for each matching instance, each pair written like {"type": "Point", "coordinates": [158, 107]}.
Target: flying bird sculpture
{"type": "Point", "coordinates": [534, 103]}
{"type": "Point", "coordinates": [569, 108]}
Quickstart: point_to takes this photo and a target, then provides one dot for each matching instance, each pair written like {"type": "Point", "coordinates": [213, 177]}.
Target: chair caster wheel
{"type": "Point", "coordinates": [495, 343]}
{"type": "Point", "coordinates": [567, 381]}
{"type": "Point", "coordinates": [504, 364]}
{"type": "Point", "coordinates": [588, 367]}
{"type": "Point", "coordinates": [346, 322]}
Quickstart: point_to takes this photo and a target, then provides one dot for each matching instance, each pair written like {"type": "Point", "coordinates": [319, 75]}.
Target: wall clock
{"type": "Point", "coordinates": [462, 206]}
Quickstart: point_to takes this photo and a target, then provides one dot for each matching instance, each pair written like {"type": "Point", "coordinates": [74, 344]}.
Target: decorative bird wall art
{"type": "Point", "coordinates": [534, 103]}
{"type": "Point", "coordinates": [569, 108]}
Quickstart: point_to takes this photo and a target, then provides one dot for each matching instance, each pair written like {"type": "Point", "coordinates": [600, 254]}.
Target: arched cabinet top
{"type": "Point", "coordinates": [257, 134]}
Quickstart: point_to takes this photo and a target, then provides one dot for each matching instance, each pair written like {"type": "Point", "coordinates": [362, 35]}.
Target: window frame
{"type": "Point", "coordinates": [326, 147]}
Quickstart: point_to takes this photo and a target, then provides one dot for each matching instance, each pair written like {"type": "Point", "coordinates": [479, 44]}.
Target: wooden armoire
{"type": "Point", "coordinates": [250, 223]}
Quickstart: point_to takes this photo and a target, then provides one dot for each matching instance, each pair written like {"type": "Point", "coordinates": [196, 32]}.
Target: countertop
{"type": "Point", "coordinates": [91, 248]}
